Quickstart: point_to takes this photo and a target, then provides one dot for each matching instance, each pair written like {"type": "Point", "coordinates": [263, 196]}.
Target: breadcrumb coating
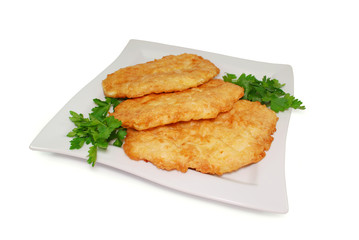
{"type": "Point", "coordinates": [168, 74]}
{"type": "Point", "coordinates": [230, 141]}
{"type": "Point", "coordinates": [203, 102]}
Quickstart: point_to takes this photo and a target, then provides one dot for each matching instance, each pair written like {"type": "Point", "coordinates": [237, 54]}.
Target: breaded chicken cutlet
{"type": "Point", "coordinates": [203, 102]}
{"type": "Point", "coordinates": [224, 144]}
{"type": "Point", "coordinates": [168, 74]}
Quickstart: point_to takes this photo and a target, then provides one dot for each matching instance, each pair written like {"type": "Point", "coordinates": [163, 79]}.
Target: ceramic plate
{"type": "Point", "coordinates": [260, 186]}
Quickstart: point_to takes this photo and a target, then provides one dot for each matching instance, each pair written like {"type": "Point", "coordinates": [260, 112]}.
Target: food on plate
{"type": "Point", "coordinates": [203, 102]}
{"type": "Point", "coordinates": [232, 140]}
{"type": "Point", "coordinates": [98, 130]}
{"type": "Point", "coordinates": [268, 92]}
{"type": "Point", "coordinates": [168, 74]}
{"type": "Point", "coordinates": [177, 116]}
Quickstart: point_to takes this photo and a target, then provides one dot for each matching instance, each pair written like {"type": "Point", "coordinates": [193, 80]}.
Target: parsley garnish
{"type": "Point", "coordinates": [98, 130]}
{"type": "Point", "coordinates": [268, 92]}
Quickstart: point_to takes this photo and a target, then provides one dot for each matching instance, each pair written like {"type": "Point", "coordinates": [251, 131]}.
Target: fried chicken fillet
{"type": "Point", "coordinates": [224, 144]}
{"type": "Point", "coordinates": [168, 74]}
{"type": "Point", "coordinates": [203, 102]}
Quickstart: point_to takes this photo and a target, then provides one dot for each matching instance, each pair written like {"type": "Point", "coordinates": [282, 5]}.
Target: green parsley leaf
{"type": "Point", "coordinates": [92, 155]}
{"type": "Point", "coordinates": [77, 143]}
{"type": "Point", "coordinates": [268, 92]}
{"type": "Point", "coordinates": [115, 101]}
{"type": "Point", "coordinates": [120, 136]}
{"type": "Point", "coordinates": [279, 104]}
{"type": "Point", "coordinates": [99, 129]}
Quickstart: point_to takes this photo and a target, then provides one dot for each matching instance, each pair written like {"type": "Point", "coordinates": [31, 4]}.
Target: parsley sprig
{"type": "Point", "coordinates": [268, 92]}
{"type": "Point", "coordinates": [98, 130]}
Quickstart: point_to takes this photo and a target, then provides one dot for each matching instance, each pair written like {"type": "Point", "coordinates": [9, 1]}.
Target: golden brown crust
{"type": "Point", "coordinates": [203, 102]}
{"type": "Point", "coordinates": [232, 140]}
{"type": "Point", "coordinates": [169, 74]}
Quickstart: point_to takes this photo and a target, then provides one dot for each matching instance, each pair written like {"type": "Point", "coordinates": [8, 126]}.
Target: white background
{"type": "Point", "coordinates": [50, 49]}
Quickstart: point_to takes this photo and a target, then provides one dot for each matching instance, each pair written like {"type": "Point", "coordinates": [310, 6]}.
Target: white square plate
{"type": "Point", "coordinates": [259, 186]}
